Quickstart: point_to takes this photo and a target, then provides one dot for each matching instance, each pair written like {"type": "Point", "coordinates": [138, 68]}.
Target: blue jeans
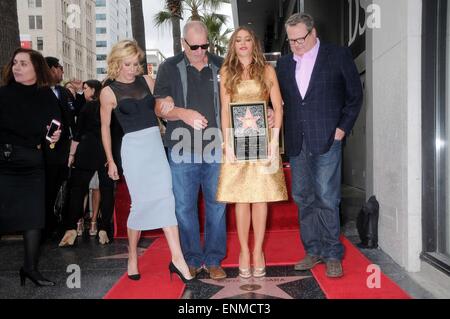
{"type": "Point", "coordinates": [316, 189]}
{"type": "Point", "coordinates": [187, 179]}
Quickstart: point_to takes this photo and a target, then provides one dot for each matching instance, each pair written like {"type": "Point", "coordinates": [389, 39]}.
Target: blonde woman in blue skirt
{"type": "Point", "coordinates": [143, 159]}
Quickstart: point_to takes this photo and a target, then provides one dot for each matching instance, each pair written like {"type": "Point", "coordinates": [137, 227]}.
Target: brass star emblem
{"type": "Point", "coordinates": [268, 286]}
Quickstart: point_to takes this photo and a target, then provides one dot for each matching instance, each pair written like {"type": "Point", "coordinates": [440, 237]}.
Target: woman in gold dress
{"type": "Point", "coordinates": [247, 77]}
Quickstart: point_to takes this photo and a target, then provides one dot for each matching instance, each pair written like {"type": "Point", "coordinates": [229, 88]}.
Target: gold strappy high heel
{"type": "Point", "coordinates": [244, 272]}
{"type": "Point", "coordinates": [260, 271]}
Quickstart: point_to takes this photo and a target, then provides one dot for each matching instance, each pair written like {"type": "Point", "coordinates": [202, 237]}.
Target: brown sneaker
{"type": "Point", "coordinates": [334, 269]}
{"type": "Point", "coordinates": [194, 271]}
{"type": "Point", "coordinates": [308, 262]}
{"type": "Point", "coordinates": [216, 272]}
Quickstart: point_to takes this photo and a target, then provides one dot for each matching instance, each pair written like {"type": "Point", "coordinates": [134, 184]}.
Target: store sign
{"type": "Point", "coordinates": [25, 41]}
{"type": "Point", "coordinates": [362, 15]}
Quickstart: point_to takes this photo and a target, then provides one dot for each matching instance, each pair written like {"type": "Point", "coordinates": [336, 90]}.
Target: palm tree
{"type": "Point", "coordinates": [137, 23]}
{"type": "Point", "coordinates": [221, 42]}
{"type": "Point", "coordinates": [172, 14]}
{"type": "Point", "coordinates": [9, 31]}
{"type": "Point", "coordinates": [217, 41]}
{"type": "Point", "coordinates": [175, 11]}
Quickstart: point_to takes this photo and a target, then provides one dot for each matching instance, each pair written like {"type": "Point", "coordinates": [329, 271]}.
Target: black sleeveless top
{"type": "Point", "coordinates": [135, 109]}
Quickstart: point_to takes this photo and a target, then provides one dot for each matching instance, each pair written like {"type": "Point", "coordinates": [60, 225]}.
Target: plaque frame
{"type": "Point", "coordinates": [241, 140]}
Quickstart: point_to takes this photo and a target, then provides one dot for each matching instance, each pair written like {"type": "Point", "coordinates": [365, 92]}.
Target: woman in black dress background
{"type": "Point", "coordinates": [27, 107]}
{"type": "Point", "coordinates": [86, 157]}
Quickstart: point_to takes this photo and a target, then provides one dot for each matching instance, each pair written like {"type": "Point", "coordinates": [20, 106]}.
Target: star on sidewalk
{"type": "Point", "coordinates": [264, 286]}
{"type": "Point", "coordinates": [249, 121]}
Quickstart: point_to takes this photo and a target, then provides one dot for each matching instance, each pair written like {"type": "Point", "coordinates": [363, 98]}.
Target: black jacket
{"type": "Point", "coordinates": [333, 100]}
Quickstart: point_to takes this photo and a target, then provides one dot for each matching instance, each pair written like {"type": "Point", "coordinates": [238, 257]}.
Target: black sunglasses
{"type": "Point", "coordinates": [196, 46]}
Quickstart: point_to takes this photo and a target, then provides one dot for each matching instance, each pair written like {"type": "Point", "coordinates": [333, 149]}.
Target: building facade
{"type": "Point", "coordinates": [399, 148]}
{"type": "Point", "coordinates": [113, 24]}
{"type": "Point", "coordinates": [61, 28]}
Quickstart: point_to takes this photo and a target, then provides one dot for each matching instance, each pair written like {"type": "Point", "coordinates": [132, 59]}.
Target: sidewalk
{"type": "Point", "coordinates": [352, 201]}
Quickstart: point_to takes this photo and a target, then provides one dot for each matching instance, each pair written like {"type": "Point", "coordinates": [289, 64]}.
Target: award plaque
{"type": "Point", "coordinates": [249, 131]}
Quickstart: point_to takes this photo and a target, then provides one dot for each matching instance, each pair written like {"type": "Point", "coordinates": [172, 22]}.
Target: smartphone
{"type": "Point", "coordinates": [54, 126]}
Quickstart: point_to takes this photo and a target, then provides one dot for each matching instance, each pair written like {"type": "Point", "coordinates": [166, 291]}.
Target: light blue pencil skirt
{"type": "Point", "coordinates": [149, 180]}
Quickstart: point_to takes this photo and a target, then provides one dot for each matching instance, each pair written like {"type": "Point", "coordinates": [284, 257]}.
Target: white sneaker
{"type": "Point", "coordinates": [103, 237]}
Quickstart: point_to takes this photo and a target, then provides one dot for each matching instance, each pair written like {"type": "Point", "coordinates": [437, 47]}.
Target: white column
{"type": "Point", "coordinates": [394, 102]}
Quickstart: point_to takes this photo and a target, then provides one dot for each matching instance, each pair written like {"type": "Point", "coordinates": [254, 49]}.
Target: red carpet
{"type": "Point", "coordinates": [281, 248]}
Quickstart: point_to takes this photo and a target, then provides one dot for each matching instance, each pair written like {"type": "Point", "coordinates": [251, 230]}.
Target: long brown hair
{"type": "Point", "coordinates": [43, 75]}
{"type": "Point", "coordinates": [234, 69]}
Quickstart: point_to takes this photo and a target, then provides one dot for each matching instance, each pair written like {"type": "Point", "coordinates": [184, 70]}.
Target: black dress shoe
{"type": "Point", "coordinates": [35, 278]}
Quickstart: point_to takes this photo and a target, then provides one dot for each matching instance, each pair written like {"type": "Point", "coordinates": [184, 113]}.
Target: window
{"type": "Point", "coordinates": [35, 22]}
{"type": "Point", "coordinates": [40, 43]}
{"type": "Point", "coordinates": [101, 57]}
{"type": "Point", "coordinates": [101, 44]}
{"type": "Point", "coordinates": [100, 16]}
{"type": "Point", "coordinates": [101, 30]}
{"type": "Point", "coordinates": [39, 22]}
{"type": "Point", "coordinates": [34, 3]}
{"type": "Point", "coordinates": [100, 3]}
{"type": "Point", "coordinates": [31, 23]}
{"type": "Point", "coordinates": [101, 71]}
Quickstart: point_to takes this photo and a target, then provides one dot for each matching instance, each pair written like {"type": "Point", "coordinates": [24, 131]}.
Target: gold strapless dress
{"type": "Point", "coordinates": [256, 181]}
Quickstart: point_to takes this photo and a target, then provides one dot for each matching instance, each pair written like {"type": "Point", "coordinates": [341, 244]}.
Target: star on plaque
{"type": "Point", "coordinates": [249, 121]}
{"type": "Point", "coordinates": [267, 286]}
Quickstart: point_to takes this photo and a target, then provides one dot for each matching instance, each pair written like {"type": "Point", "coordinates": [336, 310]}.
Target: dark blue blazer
{"type": "Point", "coordinates": [333, 100]}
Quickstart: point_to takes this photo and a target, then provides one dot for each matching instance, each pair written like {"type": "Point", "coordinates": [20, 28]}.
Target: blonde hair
{"type": "Point", "coordinates": [120, 51]}
{"type": "Point", "coordinates": [234, 69]}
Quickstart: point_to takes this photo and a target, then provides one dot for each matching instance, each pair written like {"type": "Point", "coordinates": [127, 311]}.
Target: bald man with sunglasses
{"type": "Point", "coordinates": [187, 93]}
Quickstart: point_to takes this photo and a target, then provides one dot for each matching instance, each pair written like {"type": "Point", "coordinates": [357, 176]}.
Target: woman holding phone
{"type": "Point", "coordinates": [27, 108]}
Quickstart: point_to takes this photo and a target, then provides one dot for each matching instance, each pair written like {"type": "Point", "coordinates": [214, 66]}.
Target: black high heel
{"type": "Point", "coordinates": [173, 269]}
{"type": "Point", "coordinates": [135, 277]}
{"type": "Point", "coordinates": [36, 278]}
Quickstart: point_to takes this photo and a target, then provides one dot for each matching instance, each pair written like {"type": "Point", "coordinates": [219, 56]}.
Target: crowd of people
{"type": "Point", "coordinates": [111, 130]}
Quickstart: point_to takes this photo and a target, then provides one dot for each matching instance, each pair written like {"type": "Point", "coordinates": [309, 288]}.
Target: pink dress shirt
{"type": "Point", "coordinates": [304, 69]}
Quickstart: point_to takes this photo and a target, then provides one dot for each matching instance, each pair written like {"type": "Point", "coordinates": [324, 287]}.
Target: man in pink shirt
{"type": "Point", "coordinates": [322, 96]}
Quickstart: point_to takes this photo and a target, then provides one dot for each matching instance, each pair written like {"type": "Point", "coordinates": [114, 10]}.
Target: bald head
{"type": "Point", "coordinates": [196, 27]}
